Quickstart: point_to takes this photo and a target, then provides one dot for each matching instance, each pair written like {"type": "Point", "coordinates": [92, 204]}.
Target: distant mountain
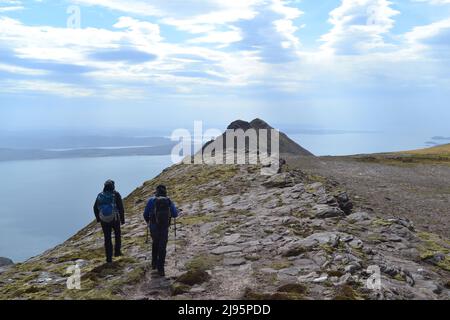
{"type": "Point", "coordinates": [20, 154]}
{"type": "Point", "coordinates": [287, 145]}
{"type": "Point", "coordinates": [5, 262]}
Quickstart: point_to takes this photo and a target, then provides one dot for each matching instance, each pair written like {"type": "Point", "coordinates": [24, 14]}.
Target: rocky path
{"type": "Point", "coordinates": [290, 238]}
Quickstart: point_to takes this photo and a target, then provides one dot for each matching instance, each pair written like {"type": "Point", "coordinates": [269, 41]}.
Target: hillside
{"type": "Point", "coordinates": [433, 155]}
{"type": "Point", "coordinates": [244, 235]}
{"type": "Point", "coordinates": [441, 150]}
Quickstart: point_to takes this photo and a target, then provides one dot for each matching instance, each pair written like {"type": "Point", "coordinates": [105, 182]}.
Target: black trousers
{"type": "Point", "coordinates": [160, 236]}
{"type": "Point", "coordinates": [108, 228]}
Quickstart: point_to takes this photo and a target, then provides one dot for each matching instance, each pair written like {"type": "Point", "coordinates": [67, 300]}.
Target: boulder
{"type": "Point", "coordinates": [281, 180]}
{"type": "Point", "coordinates": [225, 249]}
{"type": "Point", "coordinates": [324, 211]}
{"type": "Point", "coordinates": [358, 216]}
{"type": "Point", "coordinates": [344, 203]}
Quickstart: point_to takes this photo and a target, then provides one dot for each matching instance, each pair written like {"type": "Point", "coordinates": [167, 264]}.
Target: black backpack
{"type": "Point", "coordinates": [162, 212]}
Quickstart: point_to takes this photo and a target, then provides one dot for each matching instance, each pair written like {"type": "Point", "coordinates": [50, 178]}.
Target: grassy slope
{"type": "Point", "coordinates": [443, 150]}
{"type": "Point", "coordinates": [433, 155]}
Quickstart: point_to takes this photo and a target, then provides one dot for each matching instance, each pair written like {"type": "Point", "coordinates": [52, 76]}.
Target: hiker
{"type": "Point", "coordinates": [158, 214]}
{"type": "Point", "coordinates": [108, 209]}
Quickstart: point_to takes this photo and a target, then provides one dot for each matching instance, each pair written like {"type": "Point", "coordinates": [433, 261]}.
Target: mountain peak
{"type": "Point", "coordinates": [260, 124]}
{"type": "Point", "coordinates": [287, 145]}
{"type": "Point", "coordinates": [239, 124]}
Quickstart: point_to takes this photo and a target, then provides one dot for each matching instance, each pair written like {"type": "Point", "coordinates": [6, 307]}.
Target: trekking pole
{"type": "Point", "coordinates": [175, 242]}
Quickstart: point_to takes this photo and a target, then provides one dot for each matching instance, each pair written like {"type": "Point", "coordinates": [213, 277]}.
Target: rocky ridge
{"type": "Point", "coordinates": [247, 236]}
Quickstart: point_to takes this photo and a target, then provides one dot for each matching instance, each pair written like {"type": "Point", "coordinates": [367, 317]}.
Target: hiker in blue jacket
{"type": "Point", "coordinates": [109, 211]}
{"type": "Point", "coordinates": [158, 214]}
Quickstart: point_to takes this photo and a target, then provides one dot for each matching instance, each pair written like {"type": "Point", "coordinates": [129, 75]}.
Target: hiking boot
{"type": "Point", "coordinates": [118, 254]}
{"type": "Point", "coordinates": [161, 273]}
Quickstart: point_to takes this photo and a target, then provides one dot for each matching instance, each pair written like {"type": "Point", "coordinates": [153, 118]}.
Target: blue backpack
{"type": "Point", "coordinates": [106, 204]}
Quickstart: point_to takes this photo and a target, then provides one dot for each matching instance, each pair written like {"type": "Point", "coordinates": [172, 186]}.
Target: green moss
{"type": "Point", "coordinates": [300, 229]}
{"type": "Point", "coordinates": [399, 277]}
{"type": "Point", "coordinates": [195, 219]}
{"type": "Point", "coordinates": [445, 264]}
{"type": "Point", "coordinates": [278, 265]}
{"type": "Point", "coordinates": [238, 212]}
{"type": "Point", "coordinates": [220, 229]}
{"type": "Point", "coordinates": [346, 292]}
{"type": "Point", "coordinates": [181, 182]}
{"type": "Point", "coordinates": [311, 178]}
{"type": "Point", "coordinates": [432, 245]}
{"type": "Point", "coordinates": [327, 248]}
{"type": "Point", "coordinates": [335, 273]}
{"type": "Point", "coordinates": [179, 288]}
{"type": "Point", "coordinates": [379, 222]}
{"type": "Point", "coordinates": [83, 254]}
{"type": "Point", "coordinates": [93, 294]}
{"type": "Point", "coordinates": [203, 262]}
{"type": "Point", "coordinates": [131, 278]}
{"type": "Point", "coordinates": [254, 257]}
{"type": "Point", "coordinates": [250, 294]}
{"type": "Point", "coordinates": [193, 277]}
{"type": "Point", "coordinates": [295, 288]}
{"type": "Point", "coordinates": [296, 251]}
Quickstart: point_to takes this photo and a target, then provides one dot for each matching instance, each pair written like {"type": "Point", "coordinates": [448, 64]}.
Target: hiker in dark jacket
{"type": "Point", "coordinates": [158, 213]}
{"type": "Point", "coordinates": [109, 211]}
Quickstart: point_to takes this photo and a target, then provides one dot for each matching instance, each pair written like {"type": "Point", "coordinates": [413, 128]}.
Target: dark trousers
{"type": "Point", "coordinates": [107, 231]}
{"type": "Point", "coordinates": [160, 236]}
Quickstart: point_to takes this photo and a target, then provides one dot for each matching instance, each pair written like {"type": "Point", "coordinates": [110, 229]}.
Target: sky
{"type": "Point", "coordinates": [109, 64]}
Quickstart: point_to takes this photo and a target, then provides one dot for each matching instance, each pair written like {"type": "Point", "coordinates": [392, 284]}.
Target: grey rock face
{"type": "Point", "coordinates": [225, 249]}
{"type": "Point", "coordinates": [325, 211]}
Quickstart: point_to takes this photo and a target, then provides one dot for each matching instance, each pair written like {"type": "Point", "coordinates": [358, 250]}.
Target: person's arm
{"type": "Point", "coordinates": [148, 210]}
{"type": "Point", "coordinates": [119, 203]}
{"type": "Point", "coordinates": [96, 212]}
{"type": "Point", "coordinates": [173, 209]}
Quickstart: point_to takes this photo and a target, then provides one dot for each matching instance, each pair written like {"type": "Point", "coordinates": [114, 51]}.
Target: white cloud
{"type": "Point", "coordinates": [10, 5]}
{"type": "Point", "coordinates": [434, 1]}
{"type": "Point", "coordinates": [41, 86]}
{"type": "Point", "coordinates": [432, 39]}
{"type": "Point", "coordinates": [359, 27]}
{"type": "Point", "coordinates": [271, 33]}
{"type": "Point", "coordinates": [134, 7]}
{"type": "Point", "coordinates": [228, 45]}
{"type": "Point", "coordinates": [20, 70]}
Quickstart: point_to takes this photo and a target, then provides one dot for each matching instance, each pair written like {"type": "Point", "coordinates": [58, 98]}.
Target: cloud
{"type": "Point", "coordinates": [239, 47]}
{"type": "Point", "coordinates": [41, 86]}
{"type": "Point", "coordinates": [127, 55]}
{"type": "Point", "coordinates": [359, 27]}
{"type": "Point", "coordinates": [271, 33]}
{"type": "Point", "coordinates": [135, 7]}
{"type": "Point", "coordinates": [14, 69]}
{"type": "Point", "coordinates": [432, 39]}
{"type": "Point", "coordinates": [10, 5]}
{"type": "Point", "coordinates": [434, 1]}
